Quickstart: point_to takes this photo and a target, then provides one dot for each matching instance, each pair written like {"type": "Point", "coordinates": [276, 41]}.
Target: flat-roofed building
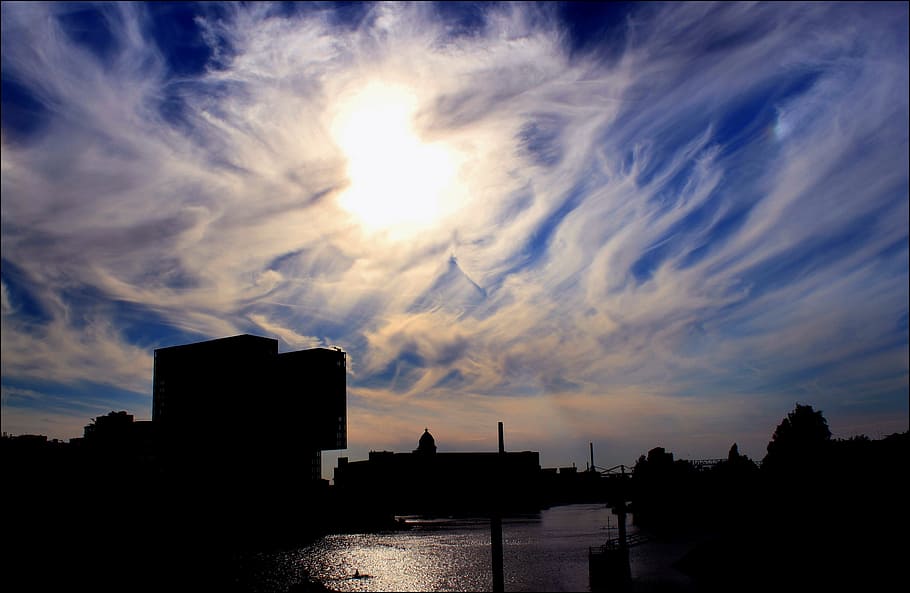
{"type": "Point", "coordinates": [427, 481]}
{"type": "Point", "coordinates": [236, 409]}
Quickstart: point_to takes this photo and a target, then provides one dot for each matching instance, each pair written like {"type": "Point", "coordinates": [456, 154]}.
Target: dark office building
{"type": "Point", "coordinates": [236, 410]}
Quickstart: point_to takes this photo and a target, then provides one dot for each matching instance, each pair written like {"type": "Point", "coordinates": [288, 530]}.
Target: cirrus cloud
{"type": "Point", "coordinates": [664, 241]}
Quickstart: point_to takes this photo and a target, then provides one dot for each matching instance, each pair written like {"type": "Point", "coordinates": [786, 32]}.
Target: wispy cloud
{"type": "Point", "coordinates": [670, 244]}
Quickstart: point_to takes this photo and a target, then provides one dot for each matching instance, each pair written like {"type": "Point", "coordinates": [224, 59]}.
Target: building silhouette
{"type": "Point", "coordinates": [427, 444]}
{"type": "Point", "coordinates": [117, 437]}
{"type": "Point", "coordinates": [236, 411]}
{"type": "Point", "coordinates": [427, 481]}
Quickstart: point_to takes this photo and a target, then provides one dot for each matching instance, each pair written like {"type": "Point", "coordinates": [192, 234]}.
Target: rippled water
{"type": "Point", "coordinates": [546, 551]}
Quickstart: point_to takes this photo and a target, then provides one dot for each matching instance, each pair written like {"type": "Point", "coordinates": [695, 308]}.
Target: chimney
{"type": "Point", "coordinates": [502, 443]}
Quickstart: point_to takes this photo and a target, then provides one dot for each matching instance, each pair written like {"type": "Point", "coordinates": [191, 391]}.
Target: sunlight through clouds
{"type": "Point", "coordinates": [696, 215]}
{"type": "Point", "coordinates": [397, 182]}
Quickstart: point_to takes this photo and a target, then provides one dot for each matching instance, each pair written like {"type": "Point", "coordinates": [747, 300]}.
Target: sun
{"type": "Point", "coordinates": [398, 183]}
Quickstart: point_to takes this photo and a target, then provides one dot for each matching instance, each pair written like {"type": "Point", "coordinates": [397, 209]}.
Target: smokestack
{"type": "Point", "coordinates": [502, 443]}
{"type": "Point", "coordinates": [592, 456]}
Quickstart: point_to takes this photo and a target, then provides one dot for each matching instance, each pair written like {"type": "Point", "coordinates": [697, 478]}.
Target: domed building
{"type": "Point", "coordinates": [424, 481]}
{"type": "Point", "coordinates": [427, 444]}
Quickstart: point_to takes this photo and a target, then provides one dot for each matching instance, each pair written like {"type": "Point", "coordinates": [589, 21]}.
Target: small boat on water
{"type": "Point", "coordinates": [354, 577]}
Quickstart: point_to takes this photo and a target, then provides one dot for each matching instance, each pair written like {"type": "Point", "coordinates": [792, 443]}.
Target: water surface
{"type": "Point", "coordinates": [546, 551]}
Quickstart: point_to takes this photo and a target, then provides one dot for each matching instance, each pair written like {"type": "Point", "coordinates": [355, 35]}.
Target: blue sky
{"type": "Point", "coordinates": [638, 225]}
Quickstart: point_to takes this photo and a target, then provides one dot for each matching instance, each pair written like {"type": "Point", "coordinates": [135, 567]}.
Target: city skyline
{"type": "Point", "coordinates": [638, 225]}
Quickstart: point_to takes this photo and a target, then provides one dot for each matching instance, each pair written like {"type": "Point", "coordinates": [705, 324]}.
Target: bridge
{"type": "Point", "coordinates": [704, 464]}
{"type": "Point", "coordinates": [617, 470]}
{"type": "Point", "coordinates": [626, 470]}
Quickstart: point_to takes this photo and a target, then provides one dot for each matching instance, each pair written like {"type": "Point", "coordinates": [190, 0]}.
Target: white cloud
{"type": "Point", "coordinates": [597, 210]}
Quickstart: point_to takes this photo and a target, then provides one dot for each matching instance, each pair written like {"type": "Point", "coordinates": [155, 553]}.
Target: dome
{"type": "Point", "coordinates": [426, 444]}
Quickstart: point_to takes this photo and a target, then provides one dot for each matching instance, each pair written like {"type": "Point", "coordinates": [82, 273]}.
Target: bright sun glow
{"type": "Point", "coordinates": [398, 183]}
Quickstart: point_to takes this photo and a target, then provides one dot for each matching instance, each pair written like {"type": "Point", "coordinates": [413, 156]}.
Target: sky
{"type": "Point", "coordinates": [633, 225]}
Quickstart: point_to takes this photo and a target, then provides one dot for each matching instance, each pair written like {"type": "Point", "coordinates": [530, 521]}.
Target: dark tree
{"type": "Point", "coordinates": [664, 490]}
{"type": "Point", "coordinates": [799, 439]}
{"type": "Point", "coordinates": [735, 466]}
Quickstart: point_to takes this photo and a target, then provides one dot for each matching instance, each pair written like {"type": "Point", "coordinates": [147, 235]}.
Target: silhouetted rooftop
{"type": "Point", "coordinates": [250, 338]}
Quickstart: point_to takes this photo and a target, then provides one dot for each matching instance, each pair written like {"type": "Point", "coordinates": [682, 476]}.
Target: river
{"type": "Point", "coordinates": [545, 551]}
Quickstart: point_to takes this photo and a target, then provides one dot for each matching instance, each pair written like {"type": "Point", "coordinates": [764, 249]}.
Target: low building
{"type": "Point", "coordinates": [427, 481]}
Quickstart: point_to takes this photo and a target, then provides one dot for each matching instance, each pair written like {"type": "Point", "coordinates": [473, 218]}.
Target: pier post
{"type": "Point", "coordinates": [608, 565]}
{"type": "Point", "coordinates": [496, 521]}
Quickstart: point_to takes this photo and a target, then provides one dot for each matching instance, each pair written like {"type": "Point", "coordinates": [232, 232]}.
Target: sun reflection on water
{"type": "Point", "coordinates": [541, 552]}
{"type": "Point", "coordinates": [417, 561]}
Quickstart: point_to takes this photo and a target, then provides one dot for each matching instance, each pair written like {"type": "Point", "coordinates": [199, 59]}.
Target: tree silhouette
{"type": "Point", "coordinates": [736, 464]}
{"type": "Point", "coordinates": [799, 440]}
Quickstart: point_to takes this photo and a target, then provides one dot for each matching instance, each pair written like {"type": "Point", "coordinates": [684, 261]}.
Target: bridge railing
{"type": "Point", "coordinates": [626, 470]}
